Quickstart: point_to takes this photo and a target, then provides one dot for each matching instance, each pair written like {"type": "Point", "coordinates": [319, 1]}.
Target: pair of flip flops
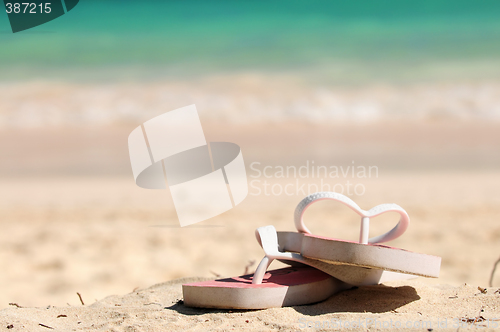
{"type": "Point", "coordinates": [320, 266]}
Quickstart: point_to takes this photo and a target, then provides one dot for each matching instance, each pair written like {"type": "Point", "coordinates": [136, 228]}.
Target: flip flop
{"type": "Point", "coordinates": [314, 261]}
{"type": "Point", "coordinates": [296, 285]}
{"type": "Point", "coordinates": [378, 263]}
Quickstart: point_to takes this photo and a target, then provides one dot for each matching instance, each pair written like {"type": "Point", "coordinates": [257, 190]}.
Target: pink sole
{"type": "Point", "coordinates": [286, 277]}
{"type": "Point", "coordinates": [283, 287]}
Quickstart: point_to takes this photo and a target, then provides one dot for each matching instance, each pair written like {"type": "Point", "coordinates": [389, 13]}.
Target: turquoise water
{"type": "Point", "coordinates": [257, 34]}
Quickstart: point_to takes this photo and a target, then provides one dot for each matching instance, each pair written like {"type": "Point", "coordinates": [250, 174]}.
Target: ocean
{"type": "Point", "coordinates": [265, 35]}
{"type": "Point", "coordinates": [281, 59]}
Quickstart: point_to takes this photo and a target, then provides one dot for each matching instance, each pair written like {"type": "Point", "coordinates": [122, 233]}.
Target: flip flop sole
{"type": "Point", "coordinates": [373, 256]}
{"type": "Point", "coordinates": [283, 287]}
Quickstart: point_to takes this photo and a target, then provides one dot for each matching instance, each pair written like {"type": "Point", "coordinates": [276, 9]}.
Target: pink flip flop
{"type": "Point", "coordinates": [296, 285]}
{"type": "Point", "coordinates": [279, 288]}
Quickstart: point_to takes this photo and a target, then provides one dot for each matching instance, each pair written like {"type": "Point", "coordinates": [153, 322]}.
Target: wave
{"type": "Point", "coordinates": [246, 99]}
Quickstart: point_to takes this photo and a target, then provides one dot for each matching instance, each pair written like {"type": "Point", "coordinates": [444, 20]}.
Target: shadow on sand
{"type": "Point", "coordinates": [365, 299]}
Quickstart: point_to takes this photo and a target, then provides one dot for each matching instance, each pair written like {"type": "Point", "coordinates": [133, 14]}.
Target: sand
{"type": "Point", "coordinates": [412, 305]}
{"type": "Point", "coordinates": [74, 221]}
{"type": "Point", "coordinates": [101, 240]}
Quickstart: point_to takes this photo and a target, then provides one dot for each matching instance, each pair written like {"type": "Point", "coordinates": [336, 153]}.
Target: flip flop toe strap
{"type": "Point", "coordinates": [268, 239]}
{"type": "Point", "coordinates": [397, 231]}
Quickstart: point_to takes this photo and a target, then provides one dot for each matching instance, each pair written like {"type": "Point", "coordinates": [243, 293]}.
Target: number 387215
{"type": "Point", "coordinates": [28, 8]}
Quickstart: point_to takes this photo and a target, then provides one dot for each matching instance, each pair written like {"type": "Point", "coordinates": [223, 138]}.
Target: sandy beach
{"type": "Point", "coordinates": [73, 221]}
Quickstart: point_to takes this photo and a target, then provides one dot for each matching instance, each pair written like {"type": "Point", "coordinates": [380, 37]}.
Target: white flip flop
{"type": "Point", "coordinates": [380, 262]}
